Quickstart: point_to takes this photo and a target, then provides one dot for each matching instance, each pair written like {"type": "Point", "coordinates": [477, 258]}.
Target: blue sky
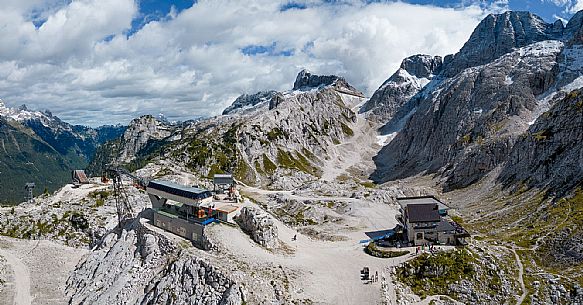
{"type": "Point", "coordinates": [152, 10]}
{"type": "Point", "coordinates": [107, 61]}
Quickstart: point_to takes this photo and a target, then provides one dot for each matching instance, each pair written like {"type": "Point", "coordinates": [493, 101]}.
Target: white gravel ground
{"type": "Point", "coordinates": [38, 271]}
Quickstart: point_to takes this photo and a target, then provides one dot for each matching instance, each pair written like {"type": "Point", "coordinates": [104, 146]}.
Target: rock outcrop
{"type": "Point", "coordinates": [293, 133]}
{"type": "Point", "coordinates": [247, 101]}
{"type": "Point", "coordinates": [138, 133]}
{"type": "Point", "coordinates": [143, 136]}
{"type": "Point", "coordinates": [139, 266]}
{"type": "Point", "coordinates": [572, 31]}
{"type": "Point", "coordinates": [550, 153]}
{"type": "Point", "coordinates": [500, 34]}
{"type": "Point", "coordinates": [465, 121]}
{"type": "Point", "coordinates": [260, 226]}
{"type": "Point", "coordinates": [467, 124]}
{"type": "Point", "coordinates": [306, 81]}
{"type": "Point", "coordinates": [415, 72]}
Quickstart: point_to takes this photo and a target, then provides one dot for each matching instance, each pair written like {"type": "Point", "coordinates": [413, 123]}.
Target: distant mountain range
{"type": "Point", "coordinates": [38, 147]}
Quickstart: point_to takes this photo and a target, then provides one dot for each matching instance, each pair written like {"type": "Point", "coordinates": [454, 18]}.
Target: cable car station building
{"type": "Point", "coordinates": [184, 210]}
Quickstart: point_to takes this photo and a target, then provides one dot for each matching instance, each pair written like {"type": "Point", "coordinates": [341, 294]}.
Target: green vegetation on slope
{"type": "Point", "coordinates": [286, 159]}
{"type": "Point", "coordinates": [219, 155]}
{"type": "Point", "coordinates": [26, 158]}
{"type": "Point", "coordinates": [432, 274]}
{"type": "Point", "coordinates": [546, 232]}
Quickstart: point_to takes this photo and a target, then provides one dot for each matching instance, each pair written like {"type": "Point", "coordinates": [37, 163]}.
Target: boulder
{"type": "Point", "coordinates": [260, 226]}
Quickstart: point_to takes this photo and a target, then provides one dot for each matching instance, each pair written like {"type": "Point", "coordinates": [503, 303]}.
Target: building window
{"type": "Point", "coordinates": [419, 235]}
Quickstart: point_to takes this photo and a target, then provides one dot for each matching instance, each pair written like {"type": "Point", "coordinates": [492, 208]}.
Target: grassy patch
{"type": "Point", "coordinates": [300, 219]}
{"type": "Point", "coordinates": [244, 173]}
{"type": "Point", "coordinates": [541, 135]}
{"type": "Point", "coordinates": [309, 154]}
{"type": "Point", "coordinates": [457, 219]}
{"type": "Point", "coordinates": [346, 130]}
{"type": "Point", "coordinates": [277, 133]}
{"type": "Point", "coordinates": [287, 160]}
{"type": "Point", "coordinates": [165, 171]}
{"type": "Point", "coordinates": [258, 168]}
{"type": "Point", "coordinates": [268, 166]}
{"type": "Point", "coordinates": [533, 218]}
{"type": "Point", "coordinates": [432, 274]}
{"type": "Point", "coordinates": [368, 184]}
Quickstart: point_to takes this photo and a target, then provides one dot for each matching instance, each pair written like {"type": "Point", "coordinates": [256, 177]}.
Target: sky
{"type": "Point", "coordinates": [95, 62]}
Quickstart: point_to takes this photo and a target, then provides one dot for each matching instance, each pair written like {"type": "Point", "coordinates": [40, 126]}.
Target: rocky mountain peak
{"type": "Point", "coordinates": [247, 101]}
{"type": "Point", "coordinates": [307, 80]}
{"type": "Point", "coordinates": [558, 28]}
{"type": "Point", "coordinates": [573, 31]}
{"type": "Point", "coordinates": [415, 72]}
{"type": "Point", "coordinates": [20, 114]}
{"type": "Point", "coordinates": [145, 123]}
{"type": "Point", "coordinates": [139, 132]}
{"type": "Point", "coordinates": [499, 34]}
{"type": "Point", "coordinates": [3, 109]}
{"type": "Point", "coordinates": [422, 66]}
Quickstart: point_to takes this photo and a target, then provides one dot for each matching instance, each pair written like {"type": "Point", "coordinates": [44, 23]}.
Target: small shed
{"type": "Point", "coordinates": [226, 212]}
{"type": "Point", "coordinates": [79, 177]}
{"type": "Point", "coordinates": [222, 182]}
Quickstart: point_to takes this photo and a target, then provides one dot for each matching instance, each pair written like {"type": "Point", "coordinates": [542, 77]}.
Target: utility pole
{"type": "Point", "coordinates": [29, 196]}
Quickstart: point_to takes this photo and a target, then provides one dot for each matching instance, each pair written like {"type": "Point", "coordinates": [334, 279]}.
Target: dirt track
{"type": "Point", "coordinates": [20, 278]}
{"type": "Point", "coordinates": [39, 271]}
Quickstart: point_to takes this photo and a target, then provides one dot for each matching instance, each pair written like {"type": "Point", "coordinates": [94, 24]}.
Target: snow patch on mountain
{"type": "Point", "coordinates": [19, 114]}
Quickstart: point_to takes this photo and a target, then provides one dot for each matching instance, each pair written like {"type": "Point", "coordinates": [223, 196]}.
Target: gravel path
{"type": "Point", "coordinates": [41, 268]}
{"type": "Point", "coordinates": [520, 278]}
{"type": "Point", "coordinates": [20, 280]}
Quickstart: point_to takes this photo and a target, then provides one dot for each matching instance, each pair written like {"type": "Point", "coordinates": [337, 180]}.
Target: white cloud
{"type": "Point", "coordinates": [192, 64]}
{"type": "Point", "coordinates": [576, 6]}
